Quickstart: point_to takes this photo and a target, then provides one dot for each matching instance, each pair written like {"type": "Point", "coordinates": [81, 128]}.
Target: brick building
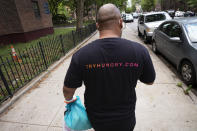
{"type": "Point", "coordinates": [24, 20]}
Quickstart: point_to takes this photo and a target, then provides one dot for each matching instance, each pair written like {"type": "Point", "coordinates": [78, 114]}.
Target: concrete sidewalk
{"type": "Point", "coordinates": [160, 107]}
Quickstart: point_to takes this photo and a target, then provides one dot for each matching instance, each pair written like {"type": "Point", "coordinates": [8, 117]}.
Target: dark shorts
{"type": "Point", "coordinates": [123, 125]}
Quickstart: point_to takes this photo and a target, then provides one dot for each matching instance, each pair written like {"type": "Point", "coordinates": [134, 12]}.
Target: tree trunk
{"type": "Point", "coordinates": [79, 13]}
{"type": "Point", "coordinates": [96, 11]}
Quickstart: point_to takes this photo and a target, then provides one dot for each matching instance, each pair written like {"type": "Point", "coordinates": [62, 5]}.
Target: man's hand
{"type": "Point", "coordinates": [68, 94]}
{"type": "Point", "coordinates": [149, 83]}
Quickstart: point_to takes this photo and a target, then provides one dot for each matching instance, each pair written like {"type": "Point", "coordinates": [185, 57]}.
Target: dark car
{"type": "Point", "coordinates": [189, 14]}
{"type": "Point", "coordinates": [177, 41]}
{"type": "Point", "coordinates": [171, 13]}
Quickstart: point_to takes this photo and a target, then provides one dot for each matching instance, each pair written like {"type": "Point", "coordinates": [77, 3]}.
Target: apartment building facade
{"type": "Point", "coordinates": [24, 20]}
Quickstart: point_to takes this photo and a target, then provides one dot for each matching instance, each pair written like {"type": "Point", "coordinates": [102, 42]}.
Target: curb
{"type": "Point", "coordinates": [34, 82]}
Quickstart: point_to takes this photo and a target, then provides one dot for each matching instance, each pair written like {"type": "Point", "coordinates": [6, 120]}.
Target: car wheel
{"type": "Point", "coordinates": [146, 40]}
{"type": "Point", "coordinates": [188, 73]}
{"type": "Point", "coordinates": [154, 47]}
{"type": "Point", "coordinates": [139, 33]}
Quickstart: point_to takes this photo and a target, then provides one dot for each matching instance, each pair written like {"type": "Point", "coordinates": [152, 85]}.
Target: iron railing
{"type": "Point", "coordinates": [30, 62]}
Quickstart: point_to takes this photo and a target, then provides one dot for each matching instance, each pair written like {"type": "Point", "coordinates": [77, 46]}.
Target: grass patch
{"type": "Point", "coordinates": [5, 50]}
{"type": "Point", "coordinates": [59, 31]}
{"type": "Point", "coordinates": [188, 89]}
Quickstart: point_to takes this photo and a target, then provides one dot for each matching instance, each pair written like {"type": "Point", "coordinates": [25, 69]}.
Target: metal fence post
{"type": "Point", "coordinates": [80, 34]}
{"type": "Point", "coordinates": [90, 28]}
{"type": "Point", "coordinates": [62, 44]}
{"type": "Point", "coordinates": [42, 52]}
{"type": "Point", "coordinates": [5, 83]}
{"type": "Point", "coordinates": [86, 31]}
{"type": "Point", "coordinates": [73, 35]}
{"type": "Point", "coordinates": [94, 25]}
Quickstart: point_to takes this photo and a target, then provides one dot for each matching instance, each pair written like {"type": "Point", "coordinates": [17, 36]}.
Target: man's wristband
{"type": "Point", "coordinates": [70, 101]}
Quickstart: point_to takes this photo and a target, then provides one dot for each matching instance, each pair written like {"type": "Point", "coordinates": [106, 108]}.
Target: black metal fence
{"type": "Point", "coordinates": [30, 62]}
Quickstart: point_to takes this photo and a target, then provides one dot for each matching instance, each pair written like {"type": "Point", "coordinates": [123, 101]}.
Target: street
{"type": "Point", "coordinates": [160, 107]}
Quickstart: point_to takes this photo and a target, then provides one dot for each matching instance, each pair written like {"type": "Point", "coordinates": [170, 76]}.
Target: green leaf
{"type": "Point", "coordinates": [179, 84]}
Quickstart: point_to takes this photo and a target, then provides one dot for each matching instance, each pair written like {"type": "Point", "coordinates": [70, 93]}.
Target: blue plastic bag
{"type": "Point", "coordinates": [76, 117]}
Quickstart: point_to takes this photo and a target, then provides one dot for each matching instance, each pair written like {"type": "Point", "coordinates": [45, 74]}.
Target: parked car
{"type": "Point", "coordinates": [148, 22]}
{"type": "Point", "coordinates": [123, 17]}
{"type": "Point", "coordinates": [135, 15]}
{"type": "Point", "coordinates": [177, 41]}
{"type": "Point", "coordinates": [179, 13]}
{"type": "Point", "coordinates": [189, 14]}
{"type": "Point", "coordinates": [128, 18]}
{"type": "Point", "coordinates": [171, 13]}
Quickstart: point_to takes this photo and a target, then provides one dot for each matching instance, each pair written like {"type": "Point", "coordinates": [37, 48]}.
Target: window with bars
{"type": "Point", "coordinates": [36, 9]}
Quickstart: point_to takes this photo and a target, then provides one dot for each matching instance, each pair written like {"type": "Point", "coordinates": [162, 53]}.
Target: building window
{"type": "Point", "coordinates": [36, 9]}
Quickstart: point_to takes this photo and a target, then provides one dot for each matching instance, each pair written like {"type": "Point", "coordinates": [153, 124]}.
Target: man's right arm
{"type": "Point", "coordinates": [149, 83]}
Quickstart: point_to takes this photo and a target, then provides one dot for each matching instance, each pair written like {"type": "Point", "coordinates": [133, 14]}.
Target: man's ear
{"type": "Point", "coordinates": [97, 25]}
{"type": "Point", "coordinates": [121, 23]}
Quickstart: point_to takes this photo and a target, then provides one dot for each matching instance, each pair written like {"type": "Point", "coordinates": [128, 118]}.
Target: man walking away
{"type": "Point", "coordinates": [110, 68]}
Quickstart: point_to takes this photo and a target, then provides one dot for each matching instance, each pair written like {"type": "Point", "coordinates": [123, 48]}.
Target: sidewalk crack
{"type": "Point", "coordinates": [21, 123]}
{"type": "Point", "coordinates": [54, 116]}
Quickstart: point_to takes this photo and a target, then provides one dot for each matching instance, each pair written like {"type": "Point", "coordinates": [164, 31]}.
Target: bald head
{"type": "Point", "coordinates": [108, 12]}
{"type": "Point", "coordinates": [108, 16]}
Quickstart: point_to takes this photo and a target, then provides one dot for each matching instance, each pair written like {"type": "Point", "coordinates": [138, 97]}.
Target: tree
{"type": "Point", "coordinates": [134, 2]}
{"type": "Point", "coordinates": [54, 4]}
{"type": "Point", "coordinates": [58, 11]}
{"type": "Point", "coordinates": [128, 10]}
{"type": "Point", "coordinates": [121, 4]}
{"type": "Point", "coordinates": [62, 10]}
{"type": "Point", "coordinates": [148, 5]}
{"type": "Point", "coordinates": [133, 8]}
{"type": "Point", "coordinates": [179, 4]}
{"type": "Point", "coordinates": [192, 4]}
{"type": "Point", "coordinates": [79, 13]}
{"type": "Point", "coordinates": [78, 7]}
{"type": "Point", "coordinates": [88, 7]}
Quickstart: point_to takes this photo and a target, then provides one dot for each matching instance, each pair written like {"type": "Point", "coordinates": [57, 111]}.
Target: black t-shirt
{"type": "Point", "coordinates": [110, 68]}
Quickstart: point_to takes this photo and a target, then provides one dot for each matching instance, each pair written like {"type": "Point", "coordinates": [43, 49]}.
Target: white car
{"type": "Point", "coordinates": [135, 15]}
{"type": "Point", "coordinates": [128, 18]}
{"type": "Point", "coordinates": [179, 13]}
{"type": "Point", "coordinates": [148, 22]}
